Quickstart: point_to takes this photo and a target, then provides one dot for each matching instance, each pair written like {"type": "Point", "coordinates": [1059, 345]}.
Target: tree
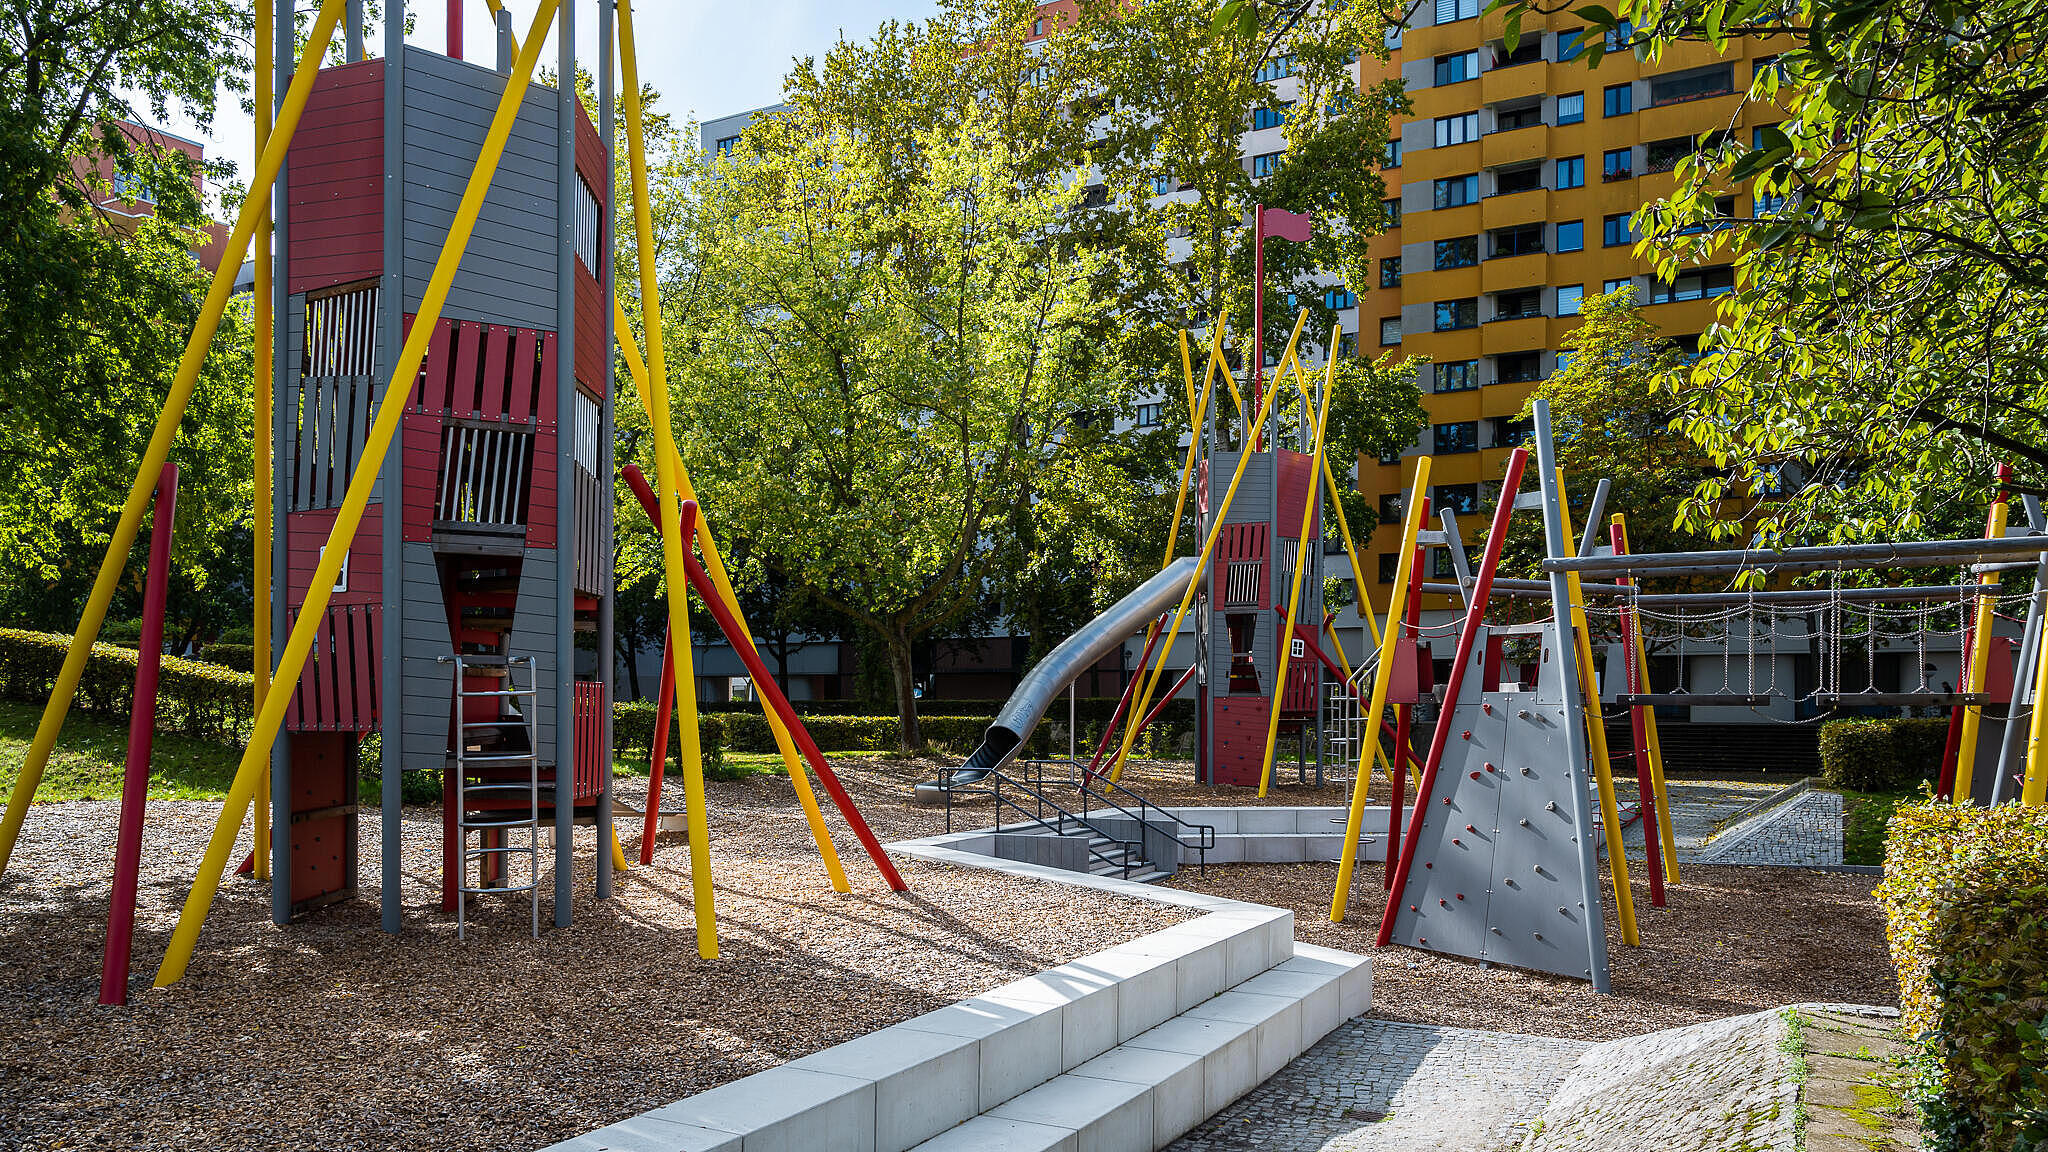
{"type": "Point", "coordinates": [1885, 343]}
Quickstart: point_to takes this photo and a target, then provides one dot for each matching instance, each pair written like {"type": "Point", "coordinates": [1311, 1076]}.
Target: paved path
{"type": "Point", "coordinates": [1380, 1086]}
{"type": "Point", "coordinates": [1803, 832]}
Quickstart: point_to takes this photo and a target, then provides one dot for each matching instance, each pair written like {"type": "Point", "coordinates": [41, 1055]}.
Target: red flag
{"type": "Point", "coordinates": [1286, 225]}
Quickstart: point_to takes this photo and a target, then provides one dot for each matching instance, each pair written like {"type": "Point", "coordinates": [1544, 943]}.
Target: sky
{"type": "Point", "coordinates": [708, 58]}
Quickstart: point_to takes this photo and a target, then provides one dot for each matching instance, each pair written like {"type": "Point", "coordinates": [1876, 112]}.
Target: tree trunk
{"type": "Point", "coordinates": [905, 679]}
{"type": "Point", "coordinates": [632, 655]}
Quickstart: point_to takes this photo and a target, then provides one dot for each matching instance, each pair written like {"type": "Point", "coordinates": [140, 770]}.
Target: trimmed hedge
{"type": "Point", "coordinates": [240, 657]}
{"type": "Point", "coordinates": [1882, 755]}
{"type": "Point", "coordinates": [205, 701]}
{"type": "Point", "coordinates": [1966, 911]}
{"type": "Point", "coordinates": [633, 730]}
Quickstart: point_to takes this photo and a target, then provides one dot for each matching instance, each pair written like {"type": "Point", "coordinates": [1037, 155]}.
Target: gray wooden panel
{"type": "Point", "coordinates": [428, 689]}
{"type": "Point", "coordinates": [1253, 502]}
{"type": "Point", "coordinates": [533, 631]}
{"type": "Point", "coordinates": [507, 272]}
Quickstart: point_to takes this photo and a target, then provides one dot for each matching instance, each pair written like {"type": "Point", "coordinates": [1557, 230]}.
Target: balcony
{"type": "Point", "coordinates": [1514, 208]}
{"type": "Point", "coordinates": [1514, 82]}
{"type": "Point", "coordinates": [1685, 117]}
{"type": "Point", "coordinates": [1513, 146]}
{"type": "Point", "coordinates": [1516, 334]}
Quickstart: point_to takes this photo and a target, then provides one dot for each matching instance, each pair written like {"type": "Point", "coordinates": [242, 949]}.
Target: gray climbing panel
{"type": "Point", "coordinates": [1497, 873]}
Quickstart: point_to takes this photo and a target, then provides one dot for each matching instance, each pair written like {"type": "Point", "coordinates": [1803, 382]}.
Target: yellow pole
{"type": "Point", "coordinates": [266, 33]}
{"type": "Point", "coordinates": [1381, 679]}
{"type": "Point", "coordinates": [618, 853]}
{"type": "Point", "coordinates": [714, 566]}
{"type": "Point", "coordinates": [1372, 621]}
{"type": "Point", "coordinates": [116, 559]}
{"type": "Point", "coordinates": [1596, 733]}
{"type": "Point", "coordinates": [1302, 545]}
{"type": "Point", "coordinates": [1669, 856]}
{"type": "Point", "coordinates": [390, 413]}
{"type": "Point", "coordinates": [666, 458]}
{"type": "Point", "coordinates": [1215, 532]}
{"type": "Point", "coordinates": [2034, 781]}
{"type": "Point", "coordinates": [1980, 659]}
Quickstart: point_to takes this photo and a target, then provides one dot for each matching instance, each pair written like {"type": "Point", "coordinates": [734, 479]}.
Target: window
{"type": "Point", "coordinates": [1571, 172]}
{"type": "Point", "coordinates": [1460, 498]}
{"type": "Point", "coordinates": [1148, 415]}
{"type": "Point", "coordinates": [1520, 240]}
{"type": "Point", "coordinates": [1510, 119]}
{"type": "Point", "coordinates": [1508, 181]}
{"type": "Point", "coordinates": [1457, 68]}
{"type": "Point", "coordinates": [1461, 436]}
{"type": "Point", "coordinates": [1454, 314]}
{"type": "Point", "coordinates": [1571, 235]}
{"type": "Point", "coordinates": [1270, 117]}
{"type": "Point", "coordinates": [1509, 432]}
{"type": "Point", "coordinates": [1390, 272]}
{"type": "Point", "coordinates": [1274, 69]}
{"type": "Point", "coordinates": [1457, 252]}
{"type": "Point", "coordinates": [1619, 36]}
{"type": "Point", "coordinates": [1528, 50]}
{"type": "Point", "coordinates": [1162, 185]}
{"type": "Point", "coordinates": [1563, 358]}
{"type": "Point", "coordinates": [1460, 129]}
{"type": "Point", "coordinates": [1609, 286]}
{"type": "Point", "coordinates": [1569, 298]}
{"type": "Point", "coordinates": [1614, 230]}
{"type": "Point", "coordinates": [1390, 330]}
{"type": "Point", "coordinates": [1618, 165]}
{"type": "Point", "coordinates": [1390, 508]}
{"type": "Point", "coordinates": [1618, 100]}
{"type": "Point", "coordinates": [1392, 207]}
{"type": "Point", "coordinates": [1456, 191]}
{"type": "Point", "coordinates": [589, 228]}
{"type": "Point", "coordinates": [1095, 196]}
{"type": "Point", "coordinates": [725, 145]}
{"type": "Point", "coordinates": [1571, 109]}
{"type": "Point", "coordinates": [1440, 565]}
{"type": "Point", "coordinates": [1698, 284]}
{"type": "Point", "coordinates": [1697, 84]}
{"type": "Point", "coordinates": [1038, 26]}
{"type": "Point", "coordinates": [1457, 376]}
{"type": "Point", "coordinates": [1265, 164]}
{"type": "Point", "coordinates": [1664, 155]}
{"type": "Point", "coordinates": [1571, 44]}
{"type": "Point", "coordinates": [1519, 304]}
{"type": "Point", "coordinates": [1389, 561]}
{"type": "Point", "coordinates": [1347, 344]}
{"type": "Point", "coordinates": [1338, 299]}
{"type": "Point", "coordinates": [1448, 11]}
{"type": "Point", "coordinates": [1519, 368]}
{"type": "Point", "coordinates": [1390, 156]}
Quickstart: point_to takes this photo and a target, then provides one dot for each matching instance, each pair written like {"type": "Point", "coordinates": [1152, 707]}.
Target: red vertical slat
{"type": "Point", "coordinates": [432, 390]}
{"type": "Point", "coordinates": [342, 669]}
{"type": "Point", "coordinates": [490, 401]}
{"type": "Point", "coordinates": [364, 694]}
{"type": "Point", "coordinates": [544, 390]}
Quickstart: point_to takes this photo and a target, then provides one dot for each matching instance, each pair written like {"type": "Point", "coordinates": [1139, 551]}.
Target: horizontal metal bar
{"type": "Point", "coordinates": [1539, 590]}
{"type": "Point", "coordinates": [1908, 554]}
{"type": "Point", "coordinates": [1694, 699]}
{"type": "Point", "coordinates": [1900, 699]}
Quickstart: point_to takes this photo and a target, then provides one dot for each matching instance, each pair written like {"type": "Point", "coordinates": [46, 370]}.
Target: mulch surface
{"type": "Point", "coordinates": [330, 1034]}
{"type": "Point", "coordinates": [1731, 941]}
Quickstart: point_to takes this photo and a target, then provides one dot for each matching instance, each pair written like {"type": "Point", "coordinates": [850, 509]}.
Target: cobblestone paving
{"type": "Point", "coordinates": [1380, 1086]}
{"type": "Point", "coordinates": [1698, 808]}
{"type": "Point", "coordinates": [1803, 832]}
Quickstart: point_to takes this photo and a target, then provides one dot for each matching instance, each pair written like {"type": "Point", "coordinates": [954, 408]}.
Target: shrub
{"type": "Point", "coordinates": [1966, 912]}
{"type": "Point", "coordinates": [240, 657]}
{"type": "Point", "coordinates": [204, 701]}
{"type": "Point", "coordinates": [1882, 755]}
{"type": "Point", "coordinates": [633, 730]}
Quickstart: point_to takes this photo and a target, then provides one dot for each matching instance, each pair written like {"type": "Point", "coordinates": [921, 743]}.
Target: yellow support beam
{"type": "Point", "coordinates": [1596, 734]}
{"type": "Point", "coordinates": [1980, 660]}
{"type": "Point", "coordinates": [1302, 545]}
{"type": "Point", "coordinates": [1144, 698]}
{"type": "Point", "coordinates": [714, 567]}
{"type": "Point", "coordinates": [390, 414]}
{"type": "Point", "coordinates": [2034, 778]}
{"type": "Point", "coordinates": [180, 394]}
{"type": "Point", "coordinates": [1382, 678]}
{"type": "Point", "coordinates": [1669, 856]}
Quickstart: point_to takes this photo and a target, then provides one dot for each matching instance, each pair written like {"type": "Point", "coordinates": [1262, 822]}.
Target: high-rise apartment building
{"type": "Point", "coordinates": [1515, 176]}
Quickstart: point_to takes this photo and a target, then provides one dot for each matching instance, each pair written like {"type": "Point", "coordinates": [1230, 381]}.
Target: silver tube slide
{"type": "Point", "coordinates": [1074, 655]}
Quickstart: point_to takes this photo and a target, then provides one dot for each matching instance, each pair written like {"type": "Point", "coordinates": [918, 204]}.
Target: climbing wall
{"type": "Point", "coordinates": [1496, 873]}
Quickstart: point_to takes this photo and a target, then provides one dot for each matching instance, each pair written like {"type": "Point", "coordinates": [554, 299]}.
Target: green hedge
{"type": "Point", "coordinates": [633, 731]}
{"type": "Point", "coordinates": [1882, 755]}
{"type": "Point", "coordinates": [240, 657]}
{"type": "Point", "coordinates": [1966, 911]}
{"type": "Point", "coordinates": [195, 699]}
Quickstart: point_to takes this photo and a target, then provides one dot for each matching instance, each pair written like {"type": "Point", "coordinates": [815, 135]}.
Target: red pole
{"type": "Point", "coordinates": [764, 683]}
{"type": "Point", "coordinates": [1130, 686]}
{"type": "Point", "coordinates": [1403, 719]}
{"type": "Point", "coordinates": [455, 28]}
{"type": "Point", "coordinates": [1256, 437]}
{"type": "Point", "coordinates": [1165, 700]}
{"type": "Point", "coordinates": [1475, 613]}
{"type": "Point", "coordinates": [658, 758]}
{"type": "Point", "coordinates": [1638, 676]}
{"type": "Point", "coordinates": [141, 732]}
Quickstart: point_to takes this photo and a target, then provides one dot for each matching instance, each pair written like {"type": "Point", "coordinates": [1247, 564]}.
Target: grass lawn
{"type": "Point", "coordinates": [1864, 816]}
{"type": "Point", "coordinates": [86, 764]}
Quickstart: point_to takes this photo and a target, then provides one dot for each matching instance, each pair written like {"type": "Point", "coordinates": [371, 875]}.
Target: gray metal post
{"type": "Point", "coordinates": [565, 458]}
{"type": "Point", "coordinates": [1575, 718]}
{"type": "Point", "coordinates": [1205, 612]}
{"type": "Point", "coordinates": [283, 59]}
{"type": "Point", "coordinates": [353, 35]}
{"type": "Point", "coordinates": [607, 638]}
{"type": "Point", "coordinates": [391, 634]}
{"type": "Point", "coordinates": [505, 53]}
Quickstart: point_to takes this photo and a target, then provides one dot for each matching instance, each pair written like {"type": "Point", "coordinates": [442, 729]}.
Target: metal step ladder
{"type": "Point", "coordinates": [501, 781]}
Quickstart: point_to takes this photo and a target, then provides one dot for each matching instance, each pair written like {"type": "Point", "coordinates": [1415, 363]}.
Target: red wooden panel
{"type": "Point", "coordinates": [497, 347]}
{"type": "Point", "coordinates": [544, 390]}
{"type": "Point", "coordinates": [422, 474]}
{"type": "Point", "coordinates": [540, 504]}
{"type": "Point", "coordinates": [460, 389]}
{"type": "Point", "coordinates": [324, 224]}
{"type": "Point", "coordinates": [369, 666]}
{"type": "Point", "coordinates": [524, 363]}
{"type": "Point", "coordinates": [590, 349]}
{"type": "Point", "coordinates": [334, 173]}
{"type": "Point", "coordinates": [1297, 480]}
{"type": "Point", "coordinates": [1240, 737]}
{"type": "Point", "coordinates": [432, 391]}
{"type": "Point", "coordinates": [590, 158]}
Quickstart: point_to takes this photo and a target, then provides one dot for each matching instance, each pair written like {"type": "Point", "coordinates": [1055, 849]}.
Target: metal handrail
{"type": "Point", "coordinates": [1205, 834]}
{"type": "Point", "coordinates": [995, 779]}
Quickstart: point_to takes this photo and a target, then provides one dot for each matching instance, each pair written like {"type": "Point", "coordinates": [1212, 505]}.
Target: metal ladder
{"type": "Point", "coordinates": [526, 700]}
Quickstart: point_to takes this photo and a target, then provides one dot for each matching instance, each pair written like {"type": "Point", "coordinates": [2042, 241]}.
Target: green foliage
{"type": "Point", "coordinates": [633, 730]}
{"type": "Point", "coordinates": [88, 763]}
{"type": "Point", "coordinates": [240, 657]}
{"type": "Point", "coordinates": [1882, 755]}
{"type": "Point", "coordinates": [204, 701]}
{"type": "Point", "coordinates": [1966, 906]}
{"type": "Point", "coordinates": [1866, 816]}
{"type": "Point", "coordinates": [1884, 346]}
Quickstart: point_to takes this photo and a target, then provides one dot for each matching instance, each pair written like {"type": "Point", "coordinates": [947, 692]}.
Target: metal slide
{"type": "Point", "coordinates": [1075, 655]}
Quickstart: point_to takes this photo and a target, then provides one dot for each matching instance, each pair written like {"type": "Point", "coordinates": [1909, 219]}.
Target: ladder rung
{"type": "Point", "coordinates": [530, 823]}
{"type": "Point", "coordinates": [499, 891]}
{"type": "Point", "coordinates": [475, 853]}
{"type": "Point", "coordinates": [499, 788]}
{"type": "Point", "coordinates": [498, 758]}
{"type": "Point", "coordinates": [468, 695]}
{"type": "Point", "coordinates": [514, 722]}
